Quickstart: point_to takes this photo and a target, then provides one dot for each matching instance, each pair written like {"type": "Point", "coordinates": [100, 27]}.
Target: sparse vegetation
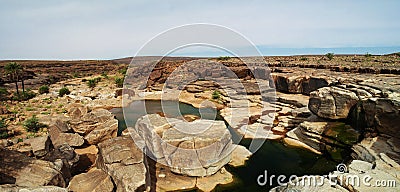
{"type": "Point", "coordinates": [32, 124]}
{"type": "Point", "coordinates": [330, 55]}
{"type": "Point", "coordinates": [216, 95]}
{"type": "Point", "coordinates": [44, 89]}
{"type": "Point", "coordinates": [368, 54]}
{"type": "Point", "coordinates": [303, 59]}
{"type": "Point", "coordinates": [105, 75]}
{"type": "Point", "coordinates": [123, 71]}
{"type": "Point", "coordinates": [26, 95]}
{"type": "Point", "coordinates": [3, 129]}
{"type": "Point", "coordinates": [91, 83]}
{"type": "Point", "coordinates": [119, 82]}
{"type": "Point", "coordinates": [223, 58]}
{"type": "Point", "coordinates": [63, 91]}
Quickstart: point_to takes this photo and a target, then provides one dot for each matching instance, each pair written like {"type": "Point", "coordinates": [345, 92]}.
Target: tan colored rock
{"type": "Point", "coordinates": [124, 162]}
{"type": "Point", "coordinates": [332, 102]}
{"type": "Point", "coordinates": [103, 132]}
{"type": "Point", "coordinates": [29, 172]}
{"type": "Point", "coordinates": [72, 139]}
{"type": "Point", "coordinates": [198, 148]}
{"type": "Point", "coordinates": [240, 155]}
{"type": "Point", "coordinates": [76, 111]}
{"type": "Point", "coordinates": [40, 145]}
{"type": "Point", "coordinates": [14, 188]}
{"type": "Point", "coordinates": [92, 181]}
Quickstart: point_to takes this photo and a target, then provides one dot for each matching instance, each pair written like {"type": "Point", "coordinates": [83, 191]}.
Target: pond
{"type": "Point", "coordinates": [273, 157]}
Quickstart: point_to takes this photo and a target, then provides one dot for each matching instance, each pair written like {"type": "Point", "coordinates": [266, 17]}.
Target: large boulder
{"type": "Point", "coordinates": [382, 114]}
{"type": "Point", "coordinates": [40, 145]}
{"type": "Point", "coordinates": [198, 148]}
{"type": "Point", "coordinates": [16, 168]}
{"type": "Point", "coordinates": [92, 181]}
{"type": "Point", "coordinates": [96, 126]}
{"type": "Point", "coordinates": [121, 159]}
{"type": "Point", "coordinates": [332, 102]}
{"type": "Point", "coordinates": [59, 132]}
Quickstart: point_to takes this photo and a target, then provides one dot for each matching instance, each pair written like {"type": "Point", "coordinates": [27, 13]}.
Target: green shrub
{"type": "Point", "coordinates": [330, 55]}
{"type": "Point", "coordinates": [91, 83]}
{"type": "Point", "coordinates": [123, 71]}
{"type": "Point", "coordinates": [63, 91]}
{"type": "Point", "coordinates": [223, 58]}
{"type": "Point", "coordinates": [3, 129]}
{"type": "Point", "coordinates": [216, 94]}
{"type": "Point", "coordinates": [43, 89]}
{"type": "Point", "coordinates": [119, 82]}
{"type": "Point", "coordinates": [32, 124]}
{"type": "Point", "coordinates": [368, 54]}
{"type": "Point", "coordinates": [28, 94]}
{"type": "Point", "coordinates": [105, 75]}
{"type": "Point", "coordinates": [303, 59]}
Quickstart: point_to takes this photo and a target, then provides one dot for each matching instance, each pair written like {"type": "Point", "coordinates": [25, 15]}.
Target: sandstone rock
{"type": "Point", "coordinates": [67, 155]}
{"type": "Point", "coordinates": [14, 188]}
{"type": "Point", "coordinates": [239, 156]}
{"type": "Point", "coordinates": [317, 135]}
{"type": "Point", "coordinates": [16, 168]}
{"type": "Point", "coordinates": [96, 126]}
{"type": "Point", "coordinates": [164, 180]}
{"type": "Point", "coordinates": [313, 83]}
{"type": "Point", "coordinates": [197, 148]}
{"type": "Point", "coordinates": [87, 157]}
{"type": "Point", "coordinates": [103, 132]}
{"type": "Point", "coordinates": [332, 102]}
{"type": "Point", "coordinates": [382, 114]}
{"type": "Point", "coordinates": [76, 111]}
{"type": "Point", "coordinates": [92, 181]}
{"type": "Point", "coordinates": [121, 159]}
{"type": "Point", "coordinates": [40, 145]}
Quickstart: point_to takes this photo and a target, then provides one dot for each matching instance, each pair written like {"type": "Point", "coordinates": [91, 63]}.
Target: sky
{"type": "Point", "coordinates": [66, 29]}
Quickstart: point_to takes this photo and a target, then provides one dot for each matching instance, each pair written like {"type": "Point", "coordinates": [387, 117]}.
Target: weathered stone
{"type": "Point", "coordinates": [96, 126]}
{"type": "Point", "coordinates": [103, 132]}
{"type": "Point", "coordinates": [72, 139]}
{"type": "Point", "coordinates": [29, 172]}
{"type": "Point", "coordinates": [239, 156]}
{"type": "Point", "coordinates": [197, 148]}
{"type": "Point", "coordinates": [77, 111]}
{"type": "Point", "coordinates": [40, 145]}
{"type": "Point", "coordinates": [92, 181]}
{"type": "Point", "coordinates": [317, 135]}
{"type": "Point", "coordinates": [87, 157]}
{"type": "Point", "coordinates": [14, 188]}
{"type": "Point", "coordinates": [332, 102]}
{"type": "Point", "coordinates": [382, 114]}
{"type": "Point", "coordinates": [123, 161]}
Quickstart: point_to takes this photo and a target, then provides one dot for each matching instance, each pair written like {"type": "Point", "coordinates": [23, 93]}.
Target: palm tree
{"type": "Point", "coordinates": [13, 70]}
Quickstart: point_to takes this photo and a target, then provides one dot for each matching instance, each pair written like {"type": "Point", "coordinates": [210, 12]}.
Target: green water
{"type": "Point", "coordinates": [273, 156]}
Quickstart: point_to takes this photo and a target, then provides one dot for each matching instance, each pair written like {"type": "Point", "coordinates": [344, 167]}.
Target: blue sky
{"type": "Point", "coordinates": [66, 29]}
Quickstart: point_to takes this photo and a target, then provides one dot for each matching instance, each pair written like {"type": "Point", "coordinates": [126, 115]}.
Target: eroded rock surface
{"type": "Point", "coordinates": [197, 148]}
{"type": "Point", "coordinates": [124, 162]}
